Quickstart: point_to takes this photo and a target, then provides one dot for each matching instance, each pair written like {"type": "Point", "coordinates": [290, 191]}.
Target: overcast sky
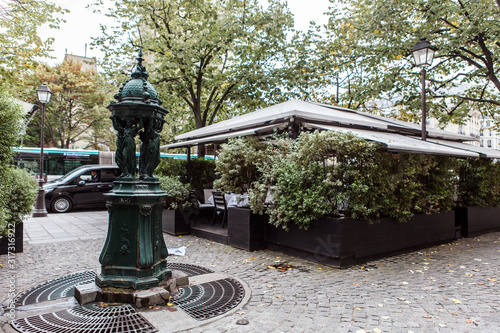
{"type": "Point", "coordinates": [82, 24]}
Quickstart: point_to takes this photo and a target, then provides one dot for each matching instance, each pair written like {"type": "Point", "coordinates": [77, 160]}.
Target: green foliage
{"type": "Point", "coordinates": [21, 46]}
{"type": "Point", "coordinates": [10, 126]}
{"type": "Point", "coordinates": [211, 59]}
{"type": "Point", "coordinates": [202, 171]}
{"type": "Point", "coordinates": [331, 173]}
{"type": "Point", "coordinates": [236, 166]}
{"type": "Point", "coordinates": [369, 46]}
{"type": "Point", "coordinates": [479, 183]}
{"type": "Point", "coordinates": [18, 192]}
{"type": "Point", "coordinates": [76, 110]}
{"type": "Point", "coordinates": [177, 192]}
{"type": "Point", "coordinates": [13, 201]}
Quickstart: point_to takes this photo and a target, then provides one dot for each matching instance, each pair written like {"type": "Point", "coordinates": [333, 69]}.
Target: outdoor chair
{"type": "Point", "coordinates": [198, 209]}
{"type": "Point", "coordinates": [220, 209]}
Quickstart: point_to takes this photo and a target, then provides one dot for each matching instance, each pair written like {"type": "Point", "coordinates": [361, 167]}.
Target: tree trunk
{"type": "Point", "coordinates": [201, 150]}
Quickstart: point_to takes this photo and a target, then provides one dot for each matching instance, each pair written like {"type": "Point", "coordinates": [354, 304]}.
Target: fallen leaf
{"type": "Point", "coordinates": [170, 304]}
{"type": "Point", "coordinates": [456, 301]}
{"type": "Point", "coordinates": [278, 296]}
{"type": "Point", "coordinates": [253, 257]}
{"type": "Point", "coordinates": [442, 325]}
{"type": "Point", "coordinates": [402, 299]}
{"type": "Point", "coordinates": [469, 274]}
{"type": "Point", "coordinates": [471, 321]}
{"type": "Point", "coordinates": [491, 279]}
{"type": "Point", "coordinates": [450, 271]}
{"type": "Point", "coordinates": [320, 268]}
{"type": "Point", "coordinates": [454, 314]}
{"type": "Point", "coordinates": [240, 313]}
{"type": "Point", "coordinates": [357, 309]}
{"type": "Point", "coordinates": [271, 267]}
{"type": "Point", "coordinates": [428, 316]}
{"type": "Point", "coordinates": [356, 284]}
{"type": "Point", "coordinates": [426, 263]}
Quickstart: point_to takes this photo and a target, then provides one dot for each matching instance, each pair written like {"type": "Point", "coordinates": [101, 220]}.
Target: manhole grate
{"type": "Point", "coordinates": [190, 270]}
{"type": "Point", "coordinates": [211, 299]}
{"type": "Point", "coordinates": [87, 319]}
{"type": "Point", "coordinates": [54, 289]}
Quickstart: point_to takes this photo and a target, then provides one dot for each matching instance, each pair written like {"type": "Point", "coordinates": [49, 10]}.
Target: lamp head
{"type": "Point", "coordinates": [423, 53]}
{"type": "Point", "coordinates": [44, 93]}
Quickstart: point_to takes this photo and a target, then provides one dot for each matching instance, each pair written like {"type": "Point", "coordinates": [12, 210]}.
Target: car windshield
{"type": "Point", "coordinates": [71, 174]}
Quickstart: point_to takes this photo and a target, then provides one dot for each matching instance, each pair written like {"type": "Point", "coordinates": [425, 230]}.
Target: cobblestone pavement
{"type": "Point", "coordinates": [447, 288]}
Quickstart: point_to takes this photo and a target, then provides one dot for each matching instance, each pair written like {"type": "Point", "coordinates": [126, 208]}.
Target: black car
{"type": "Point", "coordinates": [82, 187]}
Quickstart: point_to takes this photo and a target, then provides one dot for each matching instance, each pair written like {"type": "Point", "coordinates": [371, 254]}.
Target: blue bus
{"type": "Point", "coordinates": [58, 161]}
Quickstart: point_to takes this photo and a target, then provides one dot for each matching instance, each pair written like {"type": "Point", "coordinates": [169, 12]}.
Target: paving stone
{"type": "Point", "coordinates": [311, 300]}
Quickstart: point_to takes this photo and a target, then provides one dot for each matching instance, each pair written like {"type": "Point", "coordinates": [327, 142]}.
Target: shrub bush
{"type": "Point", "coordinates": [18, 192]}
{"type": "Point", "coordinates": [10, 127]}
{"type": "Point", "coordinates": [479, 183]}
{"type": "Point", "coordinates": [18, 189]}
{"type": "Point", "coordinates": [202, 171]}
{"type": "Point", "coordinates": [331, 173]}
{"type": "Point", "coordinates": [177, 192]}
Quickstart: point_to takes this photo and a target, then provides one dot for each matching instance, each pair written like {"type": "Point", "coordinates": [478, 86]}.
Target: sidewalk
{"type": "Point", "coordinates": [66, 227]}
{"type": "Point", "coordinates": [447, 288]}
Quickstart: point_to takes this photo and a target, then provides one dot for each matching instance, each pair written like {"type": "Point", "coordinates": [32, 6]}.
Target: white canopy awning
{"type": "Point", "coordinates": [486, 152]}
{"type": "Point", "coordinates": [395, 134]}
{"type": "Point", "coordinates": [219, 138]}
{"type": "Point", "coordinates": [401, 143]}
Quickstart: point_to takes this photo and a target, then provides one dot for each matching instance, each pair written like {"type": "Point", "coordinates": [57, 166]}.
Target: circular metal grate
{"type": "Point", "coordinates": [190, 270]}
{"type": "Point", "coordinates": [87, 319]}
{"type": "Point", "coordinates": [54, 289]}
{"type": "Point", "coordinates": [210, 299]}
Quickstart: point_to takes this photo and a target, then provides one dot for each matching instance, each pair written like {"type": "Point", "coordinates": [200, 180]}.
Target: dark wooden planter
{"type": "Point", "coordinates": [246, 230]}
{"type": "Point", "coordinates": [343, 242]}
{"type": "Point", "coordinates": [175, 222]}
{"type": "Point", "coordinates": [18, 244]}
{"type": "Point", "coordinates": [477, 220]}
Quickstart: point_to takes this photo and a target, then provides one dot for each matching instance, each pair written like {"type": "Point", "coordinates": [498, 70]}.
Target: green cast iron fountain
{"type": "Point", "coordinates": [134, 254]}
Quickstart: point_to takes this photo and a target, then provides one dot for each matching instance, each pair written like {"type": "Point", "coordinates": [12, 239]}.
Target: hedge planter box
{"type": "Point", "coordinates": [246, 230]}
{"type": "Point", "coordinates": [477, 220]}
{"type": "Point", "coordinates": [17, 246]}
{"type": "Point", "coordinates": [343, 242]}
{"type": "Point", "coordinates": [175, 222]}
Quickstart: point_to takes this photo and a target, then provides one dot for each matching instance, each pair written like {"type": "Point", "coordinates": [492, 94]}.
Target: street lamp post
{"type": "Point", "coordinates": [44, 95]}
{"type": "Point", "coordinates": [423, 55]}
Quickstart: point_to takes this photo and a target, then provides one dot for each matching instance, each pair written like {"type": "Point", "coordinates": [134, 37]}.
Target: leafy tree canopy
{"type": "Point", "coordinates": [210, 58]}
{"type": "Point", "coordinates": [77, 108]}
{"type": "Point", "coordinates": [370, 46]}
{"type": "Point", "coordinates": [21, 46]}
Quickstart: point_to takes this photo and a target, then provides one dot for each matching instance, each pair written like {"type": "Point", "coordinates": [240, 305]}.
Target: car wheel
{"type": "Point", "coordinates": [61, 205]}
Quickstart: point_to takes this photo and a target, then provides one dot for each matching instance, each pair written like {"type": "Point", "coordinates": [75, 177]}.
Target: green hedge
{"type": "Point", "coordinates": [324, 173]}
{"type": "Point", "coordinates": [18, 188]}
{"type": "Point", "coordinates": [479, 183]}
{"type": "Point", "coordinates": [202, 171]}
